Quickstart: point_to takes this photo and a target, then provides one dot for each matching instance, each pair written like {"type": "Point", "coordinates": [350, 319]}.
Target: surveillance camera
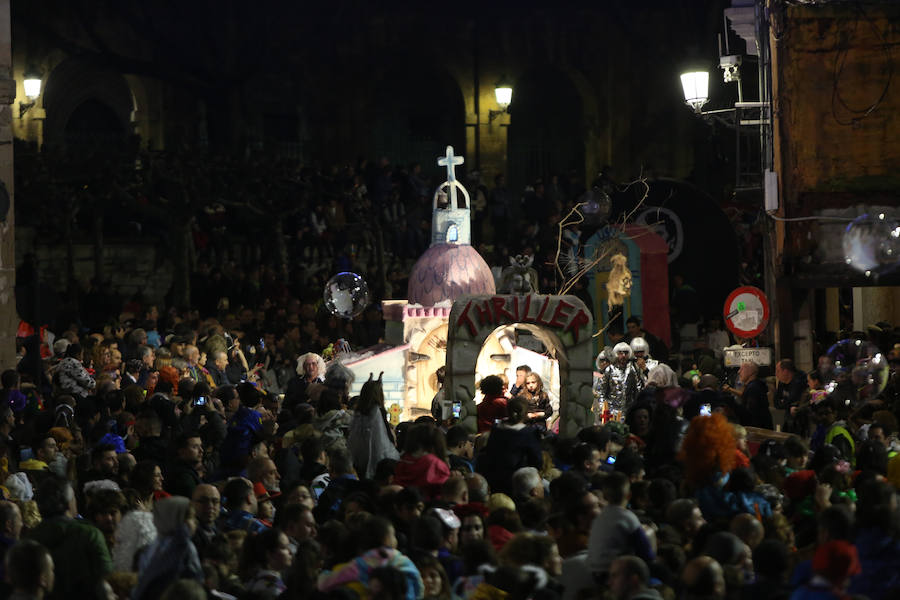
{"type": "Point", "coordinates": [730, 65]}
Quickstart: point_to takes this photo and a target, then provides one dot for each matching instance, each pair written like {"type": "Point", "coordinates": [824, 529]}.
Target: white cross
{"type": "Point", "coordinates": [450, 162]}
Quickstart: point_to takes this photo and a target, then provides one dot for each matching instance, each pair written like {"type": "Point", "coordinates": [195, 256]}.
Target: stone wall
{"type": "Point", "coordinates": [562, 323]}
{"type": "Point", "coordinates": [8, 321]}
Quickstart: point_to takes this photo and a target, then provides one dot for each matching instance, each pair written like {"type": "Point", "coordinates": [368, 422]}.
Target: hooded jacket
{"type": "Point", "coordinates": [426, 472]}
{"type": "Point", "coordinates": [173, 555]}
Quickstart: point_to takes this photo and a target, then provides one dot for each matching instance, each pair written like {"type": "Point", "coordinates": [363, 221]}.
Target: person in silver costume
{"type": "Point", "coordinates": [621, 382]}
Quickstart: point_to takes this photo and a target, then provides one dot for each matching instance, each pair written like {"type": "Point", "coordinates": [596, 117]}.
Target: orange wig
{"type": "Point", "coordinates": [708, 448]}
{"type": "Point", "coordinates": [170, 374]}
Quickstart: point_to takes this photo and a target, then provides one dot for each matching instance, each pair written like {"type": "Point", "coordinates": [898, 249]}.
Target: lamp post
{"type": "Point", "coordinates": [751, 125]}
{"type": "Point", "coordinates": [695, 85]}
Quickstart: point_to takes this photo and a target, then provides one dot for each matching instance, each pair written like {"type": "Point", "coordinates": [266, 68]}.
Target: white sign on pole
{"type": "Point", "coordinates": [735, 356]}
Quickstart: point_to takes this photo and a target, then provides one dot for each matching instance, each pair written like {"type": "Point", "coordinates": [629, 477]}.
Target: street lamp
{"type": "Point", "coordinates": [32, 84]}
{"type": "Point", "coordinates": [503, 95]}
{"type": "Point", "coordinates": [696, 94]}
{"type": "Point", "coordinates": [696, 89]}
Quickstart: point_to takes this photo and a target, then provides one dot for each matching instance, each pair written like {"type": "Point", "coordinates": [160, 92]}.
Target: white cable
{"type": "Point", "coordinates": [844, 219]}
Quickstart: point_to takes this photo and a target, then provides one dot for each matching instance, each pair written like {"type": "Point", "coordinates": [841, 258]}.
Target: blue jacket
{"type": "Point", "coordinates": [879, 556]}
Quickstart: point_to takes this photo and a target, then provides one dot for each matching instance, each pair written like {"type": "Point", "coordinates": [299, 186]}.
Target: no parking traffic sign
{"type": "Point", "coordinates": [746, 312]}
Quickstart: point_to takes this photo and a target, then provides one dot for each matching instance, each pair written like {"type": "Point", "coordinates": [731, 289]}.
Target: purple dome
{"type": "Point", "coordinates": [446, 272]}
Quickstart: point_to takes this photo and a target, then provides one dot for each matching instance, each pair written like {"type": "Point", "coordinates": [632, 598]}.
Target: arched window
{"type": "Point", "coordinates": [452, 233]}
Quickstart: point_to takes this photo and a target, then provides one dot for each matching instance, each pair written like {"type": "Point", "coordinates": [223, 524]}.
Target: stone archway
{"type": "Point", "coordinates": [76, 86]}
{"type": "Point", "coordinates": [546, 129]}
{"type": "Point", "coordinates": [428, 349]}
{"type": "Point", "coordinates": [416, 126]}
{"type": "Point", "coordinates": [562, 323]}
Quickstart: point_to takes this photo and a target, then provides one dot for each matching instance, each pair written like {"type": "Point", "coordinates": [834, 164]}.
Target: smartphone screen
{"type": "Point", "coordinates": [706, 410]}
{"type": "Point", "coordinates": [456, 408]}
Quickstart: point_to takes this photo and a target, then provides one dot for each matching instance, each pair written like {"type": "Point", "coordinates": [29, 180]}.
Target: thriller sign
{"type": "Point", "coordinates": [549, 311]}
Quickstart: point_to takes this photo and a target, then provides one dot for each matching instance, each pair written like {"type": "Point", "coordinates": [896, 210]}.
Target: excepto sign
{"type": "Point", "coordinates": [735, 357]}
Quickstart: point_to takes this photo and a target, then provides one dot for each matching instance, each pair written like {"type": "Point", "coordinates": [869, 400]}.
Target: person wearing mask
{"type": "Point", "coordinates": [371, 439]}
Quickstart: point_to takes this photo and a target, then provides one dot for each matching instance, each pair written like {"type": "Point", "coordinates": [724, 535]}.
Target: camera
{"type": "Point", "coordinates": [200, 401]}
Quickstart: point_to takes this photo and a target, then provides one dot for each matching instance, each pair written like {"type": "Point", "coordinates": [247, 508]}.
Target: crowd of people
{"type": "Point", "coordinates": [326, 213]}
{"type": "Point", "coordinates": [179, 459]}
{"type": "Point", "coordinates": [212, 452]}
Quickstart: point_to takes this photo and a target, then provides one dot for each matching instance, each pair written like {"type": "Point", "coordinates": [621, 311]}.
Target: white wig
{"type": "Point", "coordinates": [319, 360]}
{"type": "Point", "coordinates": [639, 344]}
{"type": "Point", "coordinates": [623, 347]}
{"type": "Point", "coordinates": [662, 376]}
